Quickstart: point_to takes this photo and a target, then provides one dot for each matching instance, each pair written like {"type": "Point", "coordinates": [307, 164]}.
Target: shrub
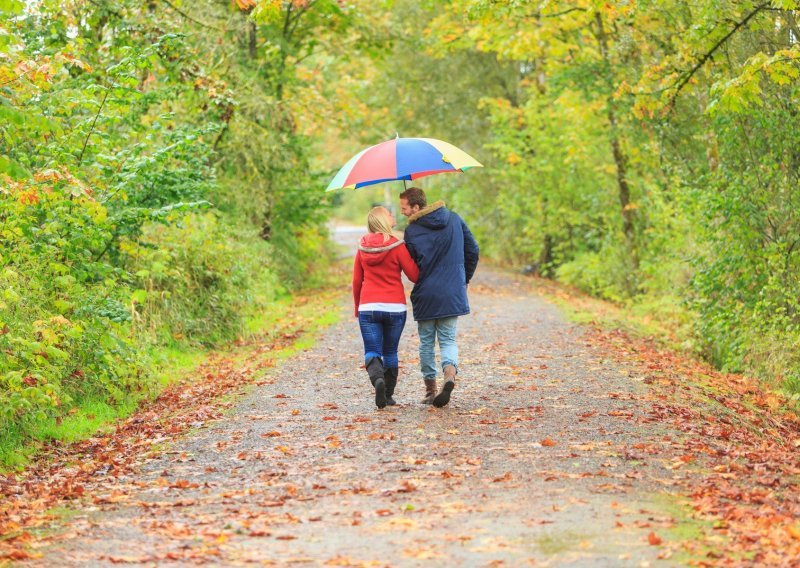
{"type": "Point", "coordinates": [63, 313]}
{"type": "Point", "coordinates": [196, 281]}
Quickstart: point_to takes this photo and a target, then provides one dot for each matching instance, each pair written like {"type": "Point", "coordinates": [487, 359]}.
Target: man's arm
{"type": "Point", "coordinates": [409, 240]}
{"type": "Point", "coordinates": [471, 251]}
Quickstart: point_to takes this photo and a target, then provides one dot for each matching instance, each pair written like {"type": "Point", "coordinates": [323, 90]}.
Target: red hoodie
{"type": "Point", "coordinates": [376, 271]}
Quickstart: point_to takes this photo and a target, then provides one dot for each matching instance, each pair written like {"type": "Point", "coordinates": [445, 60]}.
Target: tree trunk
{"type": "Point", "coordinates": [252, 37]}
{"type": "Point", "coordinates": [620, 159]}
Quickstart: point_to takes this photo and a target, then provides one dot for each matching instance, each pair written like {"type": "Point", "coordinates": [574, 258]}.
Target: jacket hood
{"type": "Point", "coordinates": [434, 216]}
{"type": "Point", "coordinates": [374, 247]}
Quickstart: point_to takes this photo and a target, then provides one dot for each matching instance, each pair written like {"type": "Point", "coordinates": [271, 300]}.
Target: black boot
{"type": "Point", "coordinates": [390, 377]}
{"type": "Point", "coordinates": [375, 370]}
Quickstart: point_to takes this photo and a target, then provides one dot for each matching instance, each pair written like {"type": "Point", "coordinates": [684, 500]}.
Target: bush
{"type": "Point", "coordinates": [76, 330]}
{"type": "Point", "coordinates": [63, 312]}
{"type": "Point", "coordinates": [600, 273]}
{"type": "Point", "coordinates": [196, 281]}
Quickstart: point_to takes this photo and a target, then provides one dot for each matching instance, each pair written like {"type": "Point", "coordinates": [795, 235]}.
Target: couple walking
{"type": "Point", "coordinates": [439, 254]}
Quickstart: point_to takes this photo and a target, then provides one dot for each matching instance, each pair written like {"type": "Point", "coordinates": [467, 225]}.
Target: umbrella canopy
{"type": "Point", "coordinates": [402, 159]}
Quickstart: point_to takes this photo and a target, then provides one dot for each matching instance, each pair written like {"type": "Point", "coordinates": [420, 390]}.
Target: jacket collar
{"type": "Point", "coordinates": [384, 248]}
{"type": "Point", "coordinates": [429, 209]}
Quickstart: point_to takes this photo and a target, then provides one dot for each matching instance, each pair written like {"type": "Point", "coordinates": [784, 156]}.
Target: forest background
{"type": "Point", "coordinates": [163, 165]}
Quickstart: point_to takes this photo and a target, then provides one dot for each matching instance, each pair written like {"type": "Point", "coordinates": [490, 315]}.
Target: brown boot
{"type": "Point", "coordinates": [430, 391]}
{"type": "Point", "coordinates": [443, 397]}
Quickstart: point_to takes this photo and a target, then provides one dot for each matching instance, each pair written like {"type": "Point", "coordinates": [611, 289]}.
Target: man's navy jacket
{"type": "Point", "coordinates": [447, 254]}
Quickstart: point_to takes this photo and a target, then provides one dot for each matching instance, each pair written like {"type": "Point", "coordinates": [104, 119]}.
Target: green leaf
{"type": "Point", "coordinates": [11, 7]}
{"type": "Point", "coordinates": [56, 353]}
{"type": "Point", "coordinates": [12, 168]}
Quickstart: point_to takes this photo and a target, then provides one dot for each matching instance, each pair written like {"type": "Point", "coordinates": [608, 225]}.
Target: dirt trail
{"type": "Point", "coordinates": [533, 462]}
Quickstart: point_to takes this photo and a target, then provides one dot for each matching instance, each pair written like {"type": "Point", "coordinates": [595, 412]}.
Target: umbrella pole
{"type": "Point", "coordinates": [387, 197]}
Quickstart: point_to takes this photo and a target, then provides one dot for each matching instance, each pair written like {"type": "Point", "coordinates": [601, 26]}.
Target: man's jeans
{"type": "Point", "coordinates": [381, 333]}
{"type": "Point", "coordinates": [429, 330]}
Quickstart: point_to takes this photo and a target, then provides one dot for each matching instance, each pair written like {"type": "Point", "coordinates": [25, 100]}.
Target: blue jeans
{"type": "Point", "coordinates": [381, 333]}
{"type": "Point", "coordinates": [429, 330]}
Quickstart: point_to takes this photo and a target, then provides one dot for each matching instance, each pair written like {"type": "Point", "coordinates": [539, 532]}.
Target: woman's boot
{"type": "Point", "coordinates": [430, 391]}
{"type": "Point", "coordinates": [376, 377]}
{"type": "Point", "coordinates": [390, 377]}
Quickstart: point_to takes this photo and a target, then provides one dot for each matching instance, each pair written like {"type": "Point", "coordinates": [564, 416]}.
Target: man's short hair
{"type": "Point", "coordinates": [415, 196]}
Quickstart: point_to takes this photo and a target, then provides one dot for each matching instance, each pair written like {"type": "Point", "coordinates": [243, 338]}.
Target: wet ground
{"type": "Point", "coordinates": [545, 457]}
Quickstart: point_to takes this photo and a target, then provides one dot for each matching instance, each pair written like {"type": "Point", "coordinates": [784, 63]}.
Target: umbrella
{"type": "Point", "coordinates": [402, 159]}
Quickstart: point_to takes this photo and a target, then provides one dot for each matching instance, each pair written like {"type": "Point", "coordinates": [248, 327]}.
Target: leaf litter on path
{"type": "Point", "coordinates": [305, 469]}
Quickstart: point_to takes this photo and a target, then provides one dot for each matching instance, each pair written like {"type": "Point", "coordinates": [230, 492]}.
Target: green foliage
{"type": "Point", "coordinates": [63, 312]}
{"type": "Point", "coordinates": [643, 152]}
{"type": "Point", "coordinates": [195, 281]}
{"type": "Point", "coordinates": [154, 188]}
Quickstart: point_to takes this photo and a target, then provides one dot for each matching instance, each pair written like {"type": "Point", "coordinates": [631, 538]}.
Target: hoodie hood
{"type": "Point", "coordinates": [435, 216]}
{"type": "Point", "coordinates": [374, 247]}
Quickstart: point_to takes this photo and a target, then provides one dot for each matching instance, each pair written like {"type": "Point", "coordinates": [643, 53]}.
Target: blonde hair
{"type": "Point", "coordinates": [379, 221]}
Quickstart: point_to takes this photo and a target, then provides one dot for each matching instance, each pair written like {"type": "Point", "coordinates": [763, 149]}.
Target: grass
{"type": "Point", "coordinates": [92, 415]}
{"type": "Point", "coordinates": [687, 528]}
{"type": "Point", "coordinates": [309, 314]}
{"type": "Point", "coordinates": [88, 417]}
{"type": "Point", "coordinates": [174, 361]}
{"type": "Point", "coordinates": [663, 319]}
{"type": "Point", "coordinates": [553, 544]}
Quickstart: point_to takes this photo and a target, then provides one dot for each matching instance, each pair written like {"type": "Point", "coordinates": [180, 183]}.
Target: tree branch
{"type": "Point", "coordinates": [91, 129]}
{"type": "Point", "coordinates": [562, 13]}
{"type": "Point", "coordinates": [710, 53]}
{"type": "Point", "coordinates": [190, 18]}
{"type": "Point", "coordinates": [792, 24]}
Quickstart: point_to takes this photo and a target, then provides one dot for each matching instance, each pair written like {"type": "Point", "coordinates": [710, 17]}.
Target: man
{"type": "Point", "coordinates": [447, 255]}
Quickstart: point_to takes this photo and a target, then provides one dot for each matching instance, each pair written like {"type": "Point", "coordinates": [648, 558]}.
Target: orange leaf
{"type": "Point", "coordinates": [654, 539]}
{"type": "Point", "coordinates": [17, 554]}
{"type": "Point", "coordinates": [245, 5]}
{"type": "Point", "coordinates": [547, 442]}
{"type": "Point", "coordinates": [507, 477]}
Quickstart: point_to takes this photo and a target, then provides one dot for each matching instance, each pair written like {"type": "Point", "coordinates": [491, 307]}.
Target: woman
{"type": "Point", "coordinates": [380, 301]}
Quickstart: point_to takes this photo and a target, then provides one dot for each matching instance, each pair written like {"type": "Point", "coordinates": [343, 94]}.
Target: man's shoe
{"type": "Point", "coordinates": [443, 397]}
{"type": "Point", "coordinates": [430, 391]}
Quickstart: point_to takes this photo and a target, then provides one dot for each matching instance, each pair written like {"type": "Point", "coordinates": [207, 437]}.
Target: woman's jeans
{"type": "Point", "coordinates": [445, 329]}
{"type": "Point", "coordinates": [381, 333]}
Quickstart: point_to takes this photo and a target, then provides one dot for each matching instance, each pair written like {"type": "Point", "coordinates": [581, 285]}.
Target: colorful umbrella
{"type": "Point", "coordinates": [402, 159]}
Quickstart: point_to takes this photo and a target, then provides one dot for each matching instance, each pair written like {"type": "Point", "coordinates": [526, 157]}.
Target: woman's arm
{"type": "Point", "coordinates": [358, 280]}
{"type": "Point", "coordinates": [407, 263]}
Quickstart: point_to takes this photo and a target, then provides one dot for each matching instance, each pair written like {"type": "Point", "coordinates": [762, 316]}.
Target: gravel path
{"type": "Point", "coordinates": [534, 462]}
